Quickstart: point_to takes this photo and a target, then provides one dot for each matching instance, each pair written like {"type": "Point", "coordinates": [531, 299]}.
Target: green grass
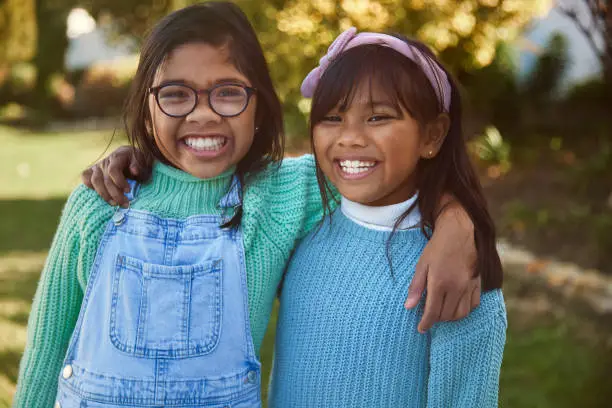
{"type": "Point", "coordinates": [44, 165]}
{"type": "Point", "coordinates": [37, 172]}
{"type": "Point", "coordinates": [552, 359]}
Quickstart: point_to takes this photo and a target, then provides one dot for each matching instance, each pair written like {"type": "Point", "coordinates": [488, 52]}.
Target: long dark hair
{"type": "Point", "coordinates": [449, 172]}
{"type": "Point", "coordinates": [218, 24]}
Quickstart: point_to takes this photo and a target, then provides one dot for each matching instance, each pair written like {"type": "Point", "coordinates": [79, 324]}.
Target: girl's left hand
{"type": "Point", "coordinates": [447, 269]}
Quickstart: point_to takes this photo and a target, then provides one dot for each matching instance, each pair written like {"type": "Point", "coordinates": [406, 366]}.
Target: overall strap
{"type": "Point", "coordinates": [134, 187]}
{"type": "Point", "coordinates": [231, 203]}
{"type": "Point", "coordinates": [120, 213]}
{"type": "Point", "coordinates": [233, 198]}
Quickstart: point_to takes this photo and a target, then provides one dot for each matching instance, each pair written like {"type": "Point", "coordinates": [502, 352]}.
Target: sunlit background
{"type": "Point", "coordinates": [536, 77]}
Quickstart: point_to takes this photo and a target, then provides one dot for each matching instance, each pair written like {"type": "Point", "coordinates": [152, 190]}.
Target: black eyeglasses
{"type": "Point", "coordinates": [179, 100]}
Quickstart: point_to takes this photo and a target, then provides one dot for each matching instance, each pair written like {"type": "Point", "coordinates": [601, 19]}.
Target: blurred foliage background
{"type": "Point", "coordinates": [473, 38]}
{"type": "Point", "coordinates": [543, 146]}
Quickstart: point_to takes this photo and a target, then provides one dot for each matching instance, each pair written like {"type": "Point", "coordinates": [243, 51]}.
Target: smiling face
{"type": "Point", "coordinates": [370, 149]}
{"type": "Point", "coordinates": [203, 143]}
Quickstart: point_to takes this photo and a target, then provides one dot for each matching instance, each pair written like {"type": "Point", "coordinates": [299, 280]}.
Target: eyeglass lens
{"type": "Point", "coordinates": [180, 100]}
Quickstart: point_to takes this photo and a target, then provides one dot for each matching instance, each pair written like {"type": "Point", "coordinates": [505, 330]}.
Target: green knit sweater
{"type": "Point", "coordinates": [280, 206]}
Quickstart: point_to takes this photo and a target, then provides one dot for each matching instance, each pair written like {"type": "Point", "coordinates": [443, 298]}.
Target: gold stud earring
{"type": "Point", "coordinates": [430, 153]}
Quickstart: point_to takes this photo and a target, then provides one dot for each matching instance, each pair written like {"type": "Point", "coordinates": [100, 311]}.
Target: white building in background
{"type": "Point", "coordinates": [88, 44]}
{"type": "Point", "coordinates": [583, 61]}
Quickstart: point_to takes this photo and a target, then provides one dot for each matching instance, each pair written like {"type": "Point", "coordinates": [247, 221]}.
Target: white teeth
{"type": "Point", "coordinates": [356, 163]}
{"type": "Point", "coordinates": [353, 170]}
{"type": "Point", "coordinates": [356, 166]}
{"type": "Point", "coordinates": [205, 143]}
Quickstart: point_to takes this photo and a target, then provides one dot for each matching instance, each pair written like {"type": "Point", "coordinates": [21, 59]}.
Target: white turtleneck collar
{"type": "Point", "coordinates": [381, 218]}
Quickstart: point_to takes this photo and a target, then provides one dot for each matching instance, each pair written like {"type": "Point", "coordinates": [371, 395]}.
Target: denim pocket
{"type": "Point", "coordinates": [165, 311]}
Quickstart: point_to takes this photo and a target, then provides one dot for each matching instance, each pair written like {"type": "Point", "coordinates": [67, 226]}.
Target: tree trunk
{"type": "Point", "coordinates": [51, 48]}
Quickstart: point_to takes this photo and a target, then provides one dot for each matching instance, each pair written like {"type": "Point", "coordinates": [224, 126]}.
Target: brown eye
{"type": "Point", "coordinates": [175, 93]}
{"type": "Point", "coordinates": [379, 118]}
{"type": "Point", "coordinates": [331, 118]}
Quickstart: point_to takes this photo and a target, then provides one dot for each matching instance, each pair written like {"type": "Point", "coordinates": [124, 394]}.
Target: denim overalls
{"type": "Point", "coordinates": [164, 320]}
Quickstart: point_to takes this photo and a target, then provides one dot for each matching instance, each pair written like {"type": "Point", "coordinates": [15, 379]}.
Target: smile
{"type": "Point", "coordinates": [356, 169]}
{"type": "Point", "coordinates": [208, 144]}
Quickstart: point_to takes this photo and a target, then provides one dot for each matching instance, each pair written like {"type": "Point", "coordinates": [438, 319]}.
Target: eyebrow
{"type": "Point", "coordinates": [381, 104]}
{"type": "Point", "coordinates": [228, 80]}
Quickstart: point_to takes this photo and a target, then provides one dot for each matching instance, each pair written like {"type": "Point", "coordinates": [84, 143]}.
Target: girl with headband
{"type": "Point", "coordinates": [386, 133]}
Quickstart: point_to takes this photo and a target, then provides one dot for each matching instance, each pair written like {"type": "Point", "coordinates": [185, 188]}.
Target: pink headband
{"type": "Point", "coordinates": [350, 39]}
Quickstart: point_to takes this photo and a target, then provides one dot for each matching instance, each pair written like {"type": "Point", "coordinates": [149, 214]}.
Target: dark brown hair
{"type": "Point", "coordinates": [449, 172]}
{"type": "Point", "coordinates": [218, 24]}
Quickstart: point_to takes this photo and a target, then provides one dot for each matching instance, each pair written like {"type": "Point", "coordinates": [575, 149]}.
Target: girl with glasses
{"type": "Point", "coordinates": [165, 301]}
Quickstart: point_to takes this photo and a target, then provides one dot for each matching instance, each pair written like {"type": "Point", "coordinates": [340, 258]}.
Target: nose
{"type": "Point", "coordinates": [203, 113]}
{"type": "Point", "coordinates": [352, 135]}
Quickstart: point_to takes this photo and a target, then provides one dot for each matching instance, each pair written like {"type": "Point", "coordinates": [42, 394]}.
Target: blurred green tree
{"type": "Point", "coordinates": [465, 33]}
{"type": "Point", "coordinates": [295, 33]}
{"type": "Point", "coordinates": [17, 32]}
{"type": "Point", "coordinates": [492, 93]}
{"type": "Point", "coordinates": [544, 80]}
{"type": "Point", "coordinates": [130, 17]}
{"type": "Point", "coordinates": [52, 42]}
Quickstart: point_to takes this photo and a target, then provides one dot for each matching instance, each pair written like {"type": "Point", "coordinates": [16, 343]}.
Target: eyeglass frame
{"type": "Point", "coordinates": [250, 91]}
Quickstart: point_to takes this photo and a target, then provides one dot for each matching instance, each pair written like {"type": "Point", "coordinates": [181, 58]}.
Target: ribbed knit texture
{"type": "Point", "coordinates": [344, 338]}
{"type": "Point", "coordinates": [280, 206]}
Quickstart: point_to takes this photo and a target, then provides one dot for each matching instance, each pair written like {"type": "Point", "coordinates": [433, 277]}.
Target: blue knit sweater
{"type": "Point", "coordinates": [344, 338]}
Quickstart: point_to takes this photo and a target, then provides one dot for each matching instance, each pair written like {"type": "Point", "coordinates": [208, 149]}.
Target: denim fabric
{"type": "Point", "coordinates": [164, 320]}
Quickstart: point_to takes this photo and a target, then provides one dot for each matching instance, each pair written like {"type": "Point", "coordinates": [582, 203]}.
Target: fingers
{"type": "Point", "coordinates": [105, 187]}
{"type": "Point", "coordinates": [417, 286]}
{"type": "Point", "coordinates": [136, 160]}
{"type": "Point", "coordinates": [463, 308]}
{"type": "Point", "coordinates": [137, 166]}
{"type": "Point", "coordinates": [97, 182]}
{"type": "Point", "coordinates": [115, 170]}
{"type": "Point", "coordinates": [112, 183]}
{"type": "Point", "coordinates": [86, 177]}
{"type": "Point", "coordinates": [450, 306]}
{"type": "Point", "coordinates": [469, 301]}
{"type": "Point", "coordinates": [127, 162]}
{"type": "Point", "coordinates": [140, 167]}
{"type": "Point", "coordinates": [433, 309]}
{"type": "Point", "coordinates": [109, 176]}
{"type": "Point", "coordinates": [116, 193]}
{"type": "Point", "coordinates": [459, 304]}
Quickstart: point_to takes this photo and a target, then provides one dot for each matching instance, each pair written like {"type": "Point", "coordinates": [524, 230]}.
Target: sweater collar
{"type": "Point", "coordinates": [382, 218]}
{"type": "Point", "coordinates": [164, 170]}
{"type": "Point", "coordinates": [173, 192]}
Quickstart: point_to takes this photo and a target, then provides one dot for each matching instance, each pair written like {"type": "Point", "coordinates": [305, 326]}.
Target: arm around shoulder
{"type": "Point", "coordinates": [294, 197]}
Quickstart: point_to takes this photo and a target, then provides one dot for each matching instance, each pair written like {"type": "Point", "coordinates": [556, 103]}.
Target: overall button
{"type": "Point", "coordinates": [118, 217]}
{"type": "Point", "coordinates": [57, 405]}
{"type": "Point", "coordinates": [67, 372]}
{"type": "Point", "coordinates": [252, 376]}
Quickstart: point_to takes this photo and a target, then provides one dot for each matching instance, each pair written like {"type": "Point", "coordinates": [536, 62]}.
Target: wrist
{"type": "Point", "coordinates": [454, 216]}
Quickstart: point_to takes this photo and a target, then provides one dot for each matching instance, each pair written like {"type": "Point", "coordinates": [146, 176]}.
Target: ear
{"type": "Point", "coordinates": [434, 134]}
